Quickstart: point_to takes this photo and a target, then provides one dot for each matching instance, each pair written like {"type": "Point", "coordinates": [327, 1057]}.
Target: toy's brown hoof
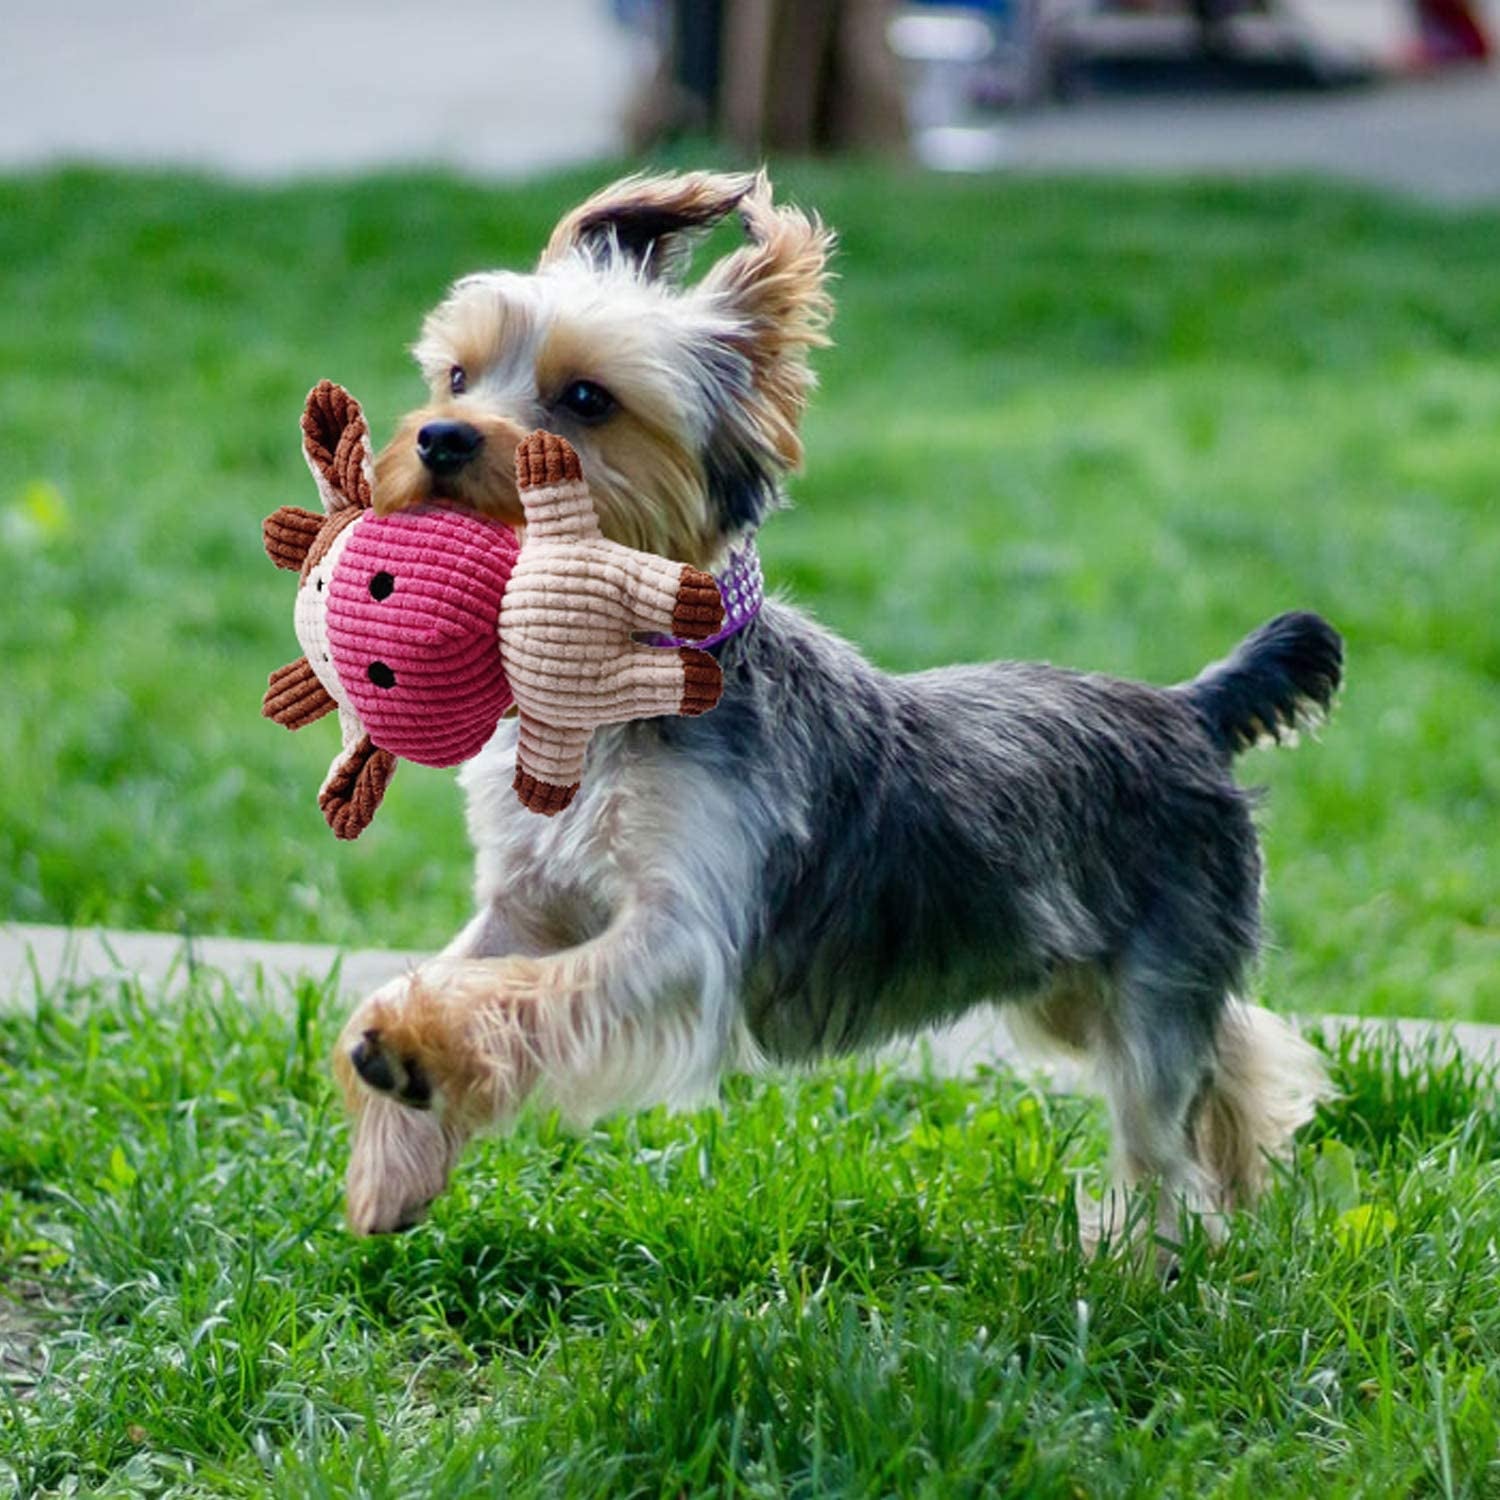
{"type": "Point", "coordinates": [542, 796]}
{"type": "Point", "coordinates": [702, 681]}
{"type": "Point", "coordinates": [545, 458]}
{"type": "Point", "coordinates": [699, 610]}
{"type": "Point", "coordinates": [355, 787]}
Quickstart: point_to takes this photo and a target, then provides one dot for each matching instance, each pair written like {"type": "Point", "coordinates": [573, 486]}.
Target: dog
{"type": "Point", "coordinates": [835, 856]}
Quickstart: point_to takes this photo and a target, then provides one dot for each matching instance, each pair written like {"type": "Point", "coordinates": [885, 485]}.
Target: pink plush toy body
{"type": "Point", "coordinates": [413, 603]}
{"type": "Point", "coordinates": [425, 627]}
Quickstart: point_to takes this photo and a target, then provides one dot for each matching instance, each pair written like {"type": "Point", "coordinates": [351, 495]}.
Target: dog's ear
{"type": "Point", "coordinates": [775, 293]}
{"type": "Point", "coordinates": [650, 222]}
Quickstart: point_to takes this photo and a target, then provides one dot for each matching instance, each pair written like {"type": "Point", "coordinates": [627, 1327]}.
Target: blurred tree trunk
{"type": "Point", "coordinates": [809, 75]}
{"type": "Point", "coordinates": [776, 75]}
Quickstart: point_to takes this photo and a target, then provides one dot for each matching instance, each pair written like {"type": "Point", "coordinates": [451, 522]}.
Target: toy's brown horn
{"type": "Point", "coordinates": [336, 440]}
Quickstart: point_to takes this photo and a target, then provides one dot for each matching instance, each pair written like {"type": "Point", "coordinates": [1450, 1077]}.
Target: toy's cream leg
{"type": "Point", "coordinates": [549, 764]}
{"type": "Point", "coordinates": [638, 1013]}
{"type": "Point", "coordinates": [645, 683]}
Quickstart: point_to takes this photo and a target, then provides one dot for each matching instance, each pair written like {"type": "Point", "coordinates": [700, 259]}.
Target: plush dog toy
{"type": "Point", "coordinates": [424, 627]}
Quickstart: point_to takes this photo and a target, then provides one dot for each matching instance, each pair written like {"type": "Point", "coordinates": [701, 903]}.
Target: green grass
{"type": "Point", "coordinates": [852, 1284]}
{"type": "Point", "coordinates": [1163, 412]}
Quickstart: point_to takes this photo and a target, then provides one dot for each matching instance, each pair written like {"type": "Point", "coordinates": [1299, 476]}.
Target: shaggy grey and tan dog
{"type": "Point", "coordinates": [834, 855]}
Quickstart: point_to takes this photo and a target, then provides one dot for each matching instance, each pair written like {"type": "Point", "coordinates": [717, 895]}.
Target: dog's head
{"type": "Point", "coordinates": [683, 400]}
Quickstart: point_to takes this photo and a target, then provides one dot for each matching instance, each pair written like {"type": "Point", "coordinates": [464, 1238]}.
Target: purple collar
{"type": "Point", "coordinates": [743, 588]}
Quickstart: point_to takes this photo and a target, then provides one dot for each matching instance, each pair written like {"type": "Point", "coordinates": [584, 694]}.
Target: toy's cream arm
{"type": "Point", "coordinates": [645, 684]}
{"type": "Point", "coordinates": [664, 597]}
{"type": "Point", "coordinates": [554, 497]}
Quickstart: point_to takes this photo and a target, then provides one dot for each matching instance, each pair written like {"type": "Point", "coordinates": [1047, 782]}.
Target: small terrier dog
{"type": "Point", "coordinates": [834, 856]}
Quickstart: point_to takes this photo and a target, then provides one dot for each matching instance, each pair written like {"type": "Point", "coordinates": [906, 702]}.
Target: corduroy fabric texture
{"type": "Point", "coordinates": [568, 623]}
{"type": "Point", "coordinates": [295, 696]}
{"type": "Point", "coordinates": [423, 627]}
{"type": "Point", "coordinates": [413, 608]}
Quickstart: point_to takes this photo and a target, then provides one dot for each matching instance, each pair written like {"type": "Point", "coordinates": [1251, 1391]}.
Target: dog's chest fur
{"type": "Point", "coordinates": [646, 826]}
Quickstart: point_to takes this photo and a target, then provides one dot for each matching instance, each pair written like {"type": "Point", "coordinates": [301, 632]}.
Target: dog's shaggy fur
{"type": "Point", "coordinates": [833, 856]}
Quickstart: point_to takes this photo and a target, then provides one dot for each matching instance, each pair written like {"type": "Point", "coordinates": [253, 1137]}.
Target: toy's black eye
{"type": "Point", "coordinates": [381, 675]}
{"type": "Point", "coordinates": [587, 401]}
{"type": "Point", "coordinates": [381, 586]}
{"type": "Point", "coordinates": [458, 382]}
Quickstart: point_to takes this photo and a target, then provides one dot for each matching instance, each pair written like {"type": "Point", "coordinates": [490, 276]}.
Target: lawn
{"type": "Point", "coordinates": [1165, 412]}
{"type": "Point", "coordinates": [850, 1284]}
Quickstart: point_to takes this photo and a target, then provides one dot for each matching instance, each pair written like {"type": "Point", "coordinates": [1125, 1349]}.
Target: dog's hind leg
{"type": "Point", "coordinates": [1144, 1025]}
{"type": "Point", "coordinates": [1153, 1054]}
{"type": "Point", "coordinates": [1203, 1090]}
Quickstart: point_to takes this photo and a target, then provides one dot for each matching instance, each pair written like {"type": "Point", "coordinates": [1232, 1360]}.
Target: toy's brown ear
{"type": "Point", "coordinates": [354, 788]}
{"type": "Point", "coordinates": [288, 534]}
{"type": "Point", "coordinates": [336, 443]}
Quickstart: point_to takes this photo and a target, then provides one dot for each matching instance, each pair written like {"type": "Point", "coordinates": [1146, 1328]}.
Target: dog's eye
{"type": "Point", "coordinates": [458, 382]}
{"type": "Point", "coordinates": [587, 401]}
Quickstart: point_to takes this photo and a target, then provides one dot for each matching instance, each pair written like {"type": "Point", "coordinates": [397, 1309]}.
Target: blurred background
{"type": "Point", "coordinates": [1384, 89]}
{"type": "Point", "coordinates": [1199, 300]}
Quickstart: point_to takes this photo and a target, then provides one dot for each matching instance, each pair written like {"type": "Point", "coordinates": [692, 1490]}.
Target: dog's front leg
{"type": "Point", "coordinates": [640, 1013]}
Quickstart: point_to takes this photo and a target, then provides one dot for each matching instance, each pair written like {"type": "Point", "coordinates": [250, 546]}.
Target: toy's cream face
{"type": "Point", "coordinates": [311, 617]}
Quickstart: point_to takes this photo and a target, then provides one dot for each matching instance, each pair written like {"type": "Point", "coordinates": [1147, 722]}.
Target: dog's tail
{"type": "Point", "coordinates": [1280, 679]}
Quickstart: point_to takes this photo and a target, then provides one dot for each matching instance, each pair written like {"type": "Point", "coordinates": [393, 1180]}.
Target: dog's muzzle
{"type": "Point", "coordinates": [445, 447]}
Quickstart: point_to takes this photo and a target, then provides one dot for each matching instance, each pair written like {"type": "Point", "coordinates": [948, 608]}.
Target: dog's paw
{"type": "Point", "coordinates": [379, 1051]}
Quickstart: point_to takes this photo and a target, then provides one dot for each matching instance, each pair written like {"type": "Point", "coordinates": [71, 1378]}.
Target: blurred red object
{"type": "Point", "coordinates": [1450, 32]}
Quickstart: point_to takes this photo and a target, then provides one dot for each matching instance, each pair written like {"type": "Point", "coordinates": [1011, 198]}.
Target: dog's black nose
{"type": "Point", "coordinates": [445, 447]}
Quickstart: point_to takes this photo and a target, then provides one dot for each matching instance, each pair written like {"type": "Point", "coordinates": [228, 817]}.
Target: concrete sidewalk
{"type": "Point", "coordinates": [267, 88]}
{"type": "Point", "coordinates": [39, 959]}
{"type": "Point", "coordinates": [1438, 138]}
